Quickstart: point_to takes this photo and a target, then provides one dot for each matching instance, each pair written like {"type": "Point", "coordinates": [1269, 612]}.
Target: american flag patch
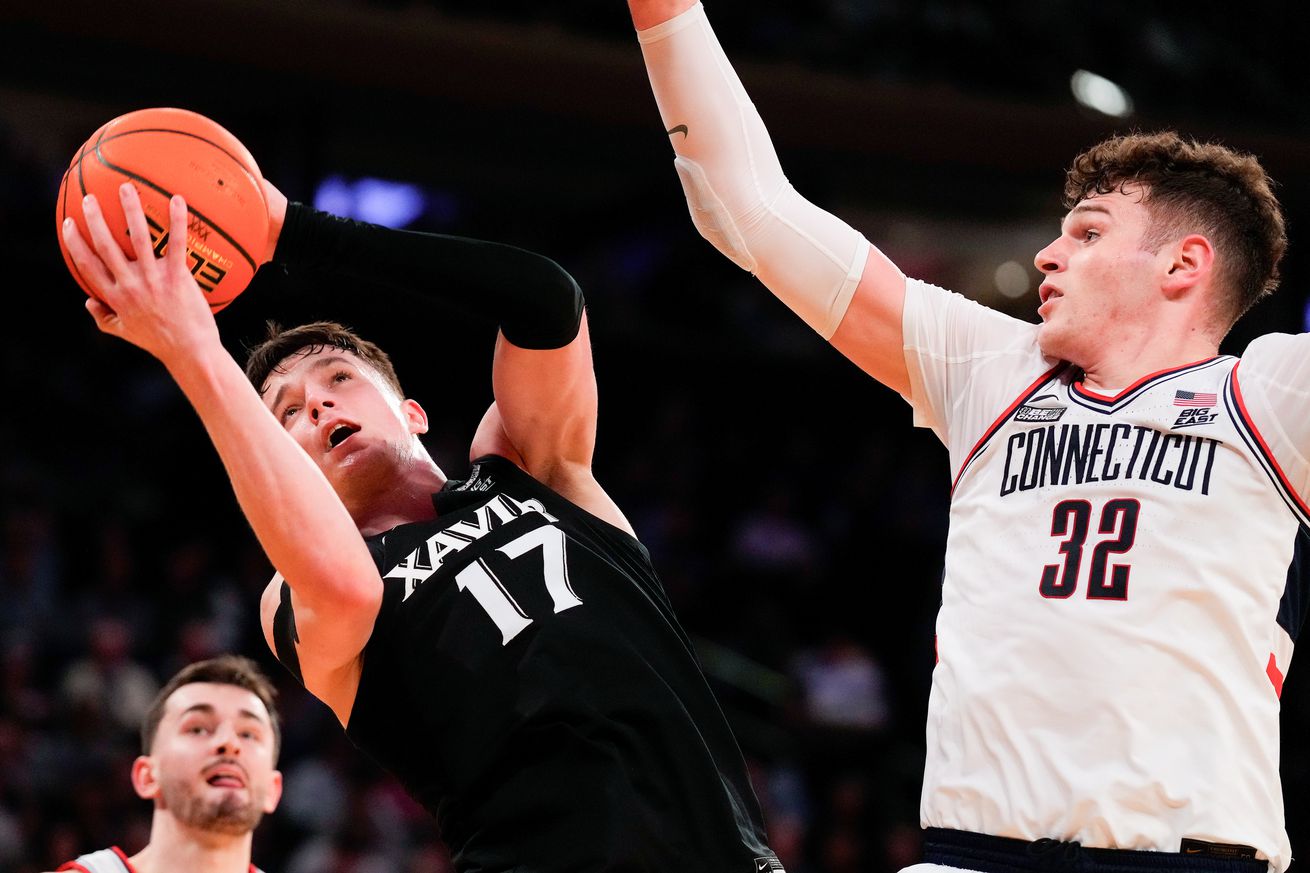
{"type": "Point", "coordinates": [1192, 398]}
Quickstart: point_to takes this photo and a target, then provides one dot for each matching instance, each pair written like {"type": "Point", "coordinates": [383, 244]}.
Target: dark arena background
{"type": "Point", "coordinates": [797, 518]}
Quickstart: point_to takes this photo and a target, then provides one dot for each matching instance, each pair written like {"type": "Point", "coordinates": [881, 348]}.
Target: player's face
{"type": "Point", "coordinates": [346, 417]}
{"type": "Point", "coordinates": [212, 766]}
{"type": "Point", "coordinates": [1098, 278]}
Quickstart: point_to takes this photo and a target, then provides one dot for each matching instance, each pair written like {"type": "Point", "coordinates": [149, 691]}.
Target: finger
{"type": "Point", "coordinates": [137, 229]}
{"type": "Point", "coordinates": [177, 221]}
{"type": "Point", "coordinates": [106, 318]}
{"type": "Point", "coordinates": [101, 238]}
{"type": "Point", "coordinates": [88, 263]}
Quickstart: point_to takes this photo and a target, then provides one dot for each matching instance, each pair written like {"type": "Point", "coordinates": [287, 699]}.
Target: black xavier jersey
{"type": "Point", "coordinates": [529, 684]}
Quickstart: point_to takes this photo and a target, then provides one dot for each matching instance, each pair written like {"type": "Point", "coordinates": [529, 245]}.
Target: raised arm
{"type": "Point", "coordinates": [740, 201]}
{"type": "Point", "coordinates": [544, 415]}
{"type": "Point", "coordinates": [155, 304]}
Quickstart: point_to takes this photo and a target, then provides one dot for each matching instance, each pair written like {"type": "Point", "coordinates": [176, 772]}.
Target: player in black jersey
{"type": "Point", "coordinates": [502, 643]}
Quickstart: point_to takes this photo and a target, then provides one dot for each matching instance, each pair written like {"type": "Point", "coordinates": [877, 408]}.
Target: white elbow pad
{"type": "Point", "coordinates": [710, 216]}
{"type": "Point", "coordinates": [736, 191]}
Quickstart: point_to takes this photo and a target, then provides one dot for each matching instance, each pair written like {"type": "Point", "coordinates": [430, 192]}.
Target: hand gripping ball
{"type": "Point", "coordinates": [173, 151]}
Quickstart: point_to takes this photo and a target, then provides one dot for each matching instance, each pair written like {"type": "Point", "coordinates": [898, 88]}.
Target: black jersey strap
{"type": "Point", "coordinates": [535, 301]}
{"type": "Point", "coordinates": [457, 494]}
{"type": "Point", "coordinates": [285, 636]}
{"type": "Point", "coordinates": [448, 502]}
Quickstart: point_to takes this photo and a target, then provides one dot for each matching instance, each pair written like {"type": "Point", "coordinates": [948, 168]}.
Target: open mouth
{"type": "Point", "coordinates": [340, 434]}
{"type": "Point", "coordinates": [226, 779]}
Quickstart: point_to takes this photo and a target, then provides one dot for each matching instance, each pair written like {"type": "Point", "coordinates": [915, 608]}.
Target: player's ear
{"type": "Point", "coordinates": [274, 792]}
{"type": "Point", "coordinates": [1192, 260]}
{"type": "Point", "coordinates": [145, 780]}
{"type": "Point", "coordinates": [415, 416]}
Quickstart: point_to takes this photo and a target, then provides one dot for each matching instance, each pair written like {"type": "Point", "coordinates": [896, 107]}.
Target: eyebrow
{"type": "Point", "coordinates": [208, 709]}
{"type": "Point", "coordinates": [317, 365]}
{"type": "Point", "coordinates": [1087, 207]}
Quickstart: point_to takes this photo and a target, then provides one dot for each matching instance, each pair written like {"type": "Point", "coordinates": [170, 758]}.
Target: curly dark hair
{"type": "Point", "coordinates": [223, 670]}
{"type": "Point", "coordinates": [281, 343]}
{"type": "Point", "coordinates": [1194, 187]}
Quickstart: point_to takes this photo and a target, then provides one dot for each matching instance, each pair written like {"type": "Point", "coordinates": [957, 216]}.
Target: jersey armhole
{"type": "Point", "coordinates": [285, 636]}
{"type": "Point", "coordinates": [1250, 432]}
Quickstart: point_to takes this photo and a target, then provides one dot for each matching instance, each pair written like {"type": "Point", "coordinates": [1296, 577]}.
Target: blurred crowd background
{"type": "Point", "coordinates": [795, 515]}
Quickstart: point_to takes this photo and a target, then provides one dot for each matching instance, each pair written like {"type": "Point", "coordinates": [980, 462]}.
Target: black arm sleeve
{"type": "Point", "coordinates": [535, 301]}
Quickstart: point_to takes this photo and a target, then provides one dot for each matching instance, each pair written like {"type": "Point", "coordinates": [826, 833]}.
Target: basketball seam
{"type": "Point", "coordinates": [238, 161]}
{"type": "Point", "coordinates": [131, 175]}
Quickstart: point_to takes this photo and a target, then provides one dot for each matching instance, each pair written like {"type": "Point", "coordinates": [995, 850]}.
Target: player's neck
{"type": "Point", "coordinates": [1117, 362]}
{"type": "Point", "coordinates": [407, 499]}
{"type": "Point", "coordinates": [174, 846]}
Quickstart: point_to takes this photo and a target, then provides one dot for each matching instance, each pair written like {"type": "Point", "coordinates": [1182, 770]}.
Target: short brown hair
{"type": "Point", "coordinates": [223, 670]}
{"type": "Point", "coordinates": [281, 343]}
{"type": "Point", "coordinates": [1194, 187]}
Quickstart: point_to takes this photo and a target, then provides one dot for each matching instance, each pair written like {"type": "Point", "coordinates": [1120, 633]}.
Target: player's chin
{"type": "Point", "coordinates": [228, 810]}
{"type": "Point", "coordinates": [1054, 341]}
{"type": "Point", "coordinates": [234, 820]}
{"type": "Point", "coordinates": [352, 453]}
{"type": "Point", "coordinates": [359, 472]}
{"type": "Point", "coordinates": [237, 812]}
{"type": "Point", "coordinates": [341, 467]}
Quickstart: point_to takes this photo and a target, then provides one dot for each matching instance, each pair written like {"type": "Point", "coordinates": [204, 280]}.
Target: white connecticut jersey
{"type": "Point", "coordinates": [1125, 577]}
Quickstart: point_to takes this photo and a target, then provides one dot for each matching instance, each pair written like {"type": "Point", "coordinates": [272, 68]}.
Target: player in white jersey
{"type": "Point", "coordinates": [1123, 578]}
{"type": "Point", "coordinates": [209, 746]}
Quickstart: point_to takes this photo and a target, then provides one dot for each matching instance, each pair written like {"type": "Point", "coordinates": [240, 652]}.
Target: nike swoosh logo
{"type": "Point", "coordinates": [681, 128]}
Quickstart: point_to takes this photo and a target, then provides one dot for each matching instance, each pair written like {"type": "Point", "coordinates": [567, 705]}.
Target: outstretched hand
{"type": "Point", "coordinates": [151, 302]}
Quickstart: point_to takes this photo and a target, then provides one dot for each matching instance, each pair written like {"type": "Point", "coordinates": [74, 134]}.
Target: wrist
{"type": "Point", "coordinates": [199, 368]}
{"type": "Point", "coordinates": [293, 227]}
{"type": "Point", "coordinates": [276, 203]}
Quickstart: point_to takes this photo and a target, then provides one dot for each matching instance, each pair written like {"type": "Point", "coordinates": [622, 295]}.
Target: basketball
{"type": "Point", "coordinates": [173, 151]}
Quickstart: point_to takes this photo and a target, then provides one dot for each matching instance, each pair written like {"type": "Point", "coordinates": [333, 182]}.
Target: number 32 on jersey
{"type": "Point", "coordinates": [1116, 530]}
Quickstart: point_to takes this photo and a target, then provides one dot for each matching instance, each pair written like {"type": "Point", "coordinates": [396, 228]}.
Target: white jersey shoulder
{"type": "Point", "coordinates": [109, 861]}
{"type": "Point", "coordinates": [103, 861]}
{"type": "Point", "coordinates": [1122, 588]}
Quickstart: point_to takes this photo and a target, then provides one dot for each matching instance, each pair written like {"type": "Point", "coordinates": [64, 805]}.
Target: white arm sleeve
{"type": "Point", "coordinates": [1274, 378]}
{"type": "Point", "coordinates": [738, 196]}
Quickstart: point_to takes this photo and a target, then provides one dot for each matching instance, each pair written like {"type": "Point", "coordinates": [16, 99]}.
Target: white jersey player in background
{"type": "Point", "coordinates": [1122, 585]}
{"type": "Point", "coordinates": [209, 747]}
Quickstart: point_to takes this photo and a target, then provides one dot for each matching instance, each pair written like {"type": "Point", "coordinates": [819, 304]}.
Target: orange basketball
{"type": "Point", "coordinates": [172, 151]}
